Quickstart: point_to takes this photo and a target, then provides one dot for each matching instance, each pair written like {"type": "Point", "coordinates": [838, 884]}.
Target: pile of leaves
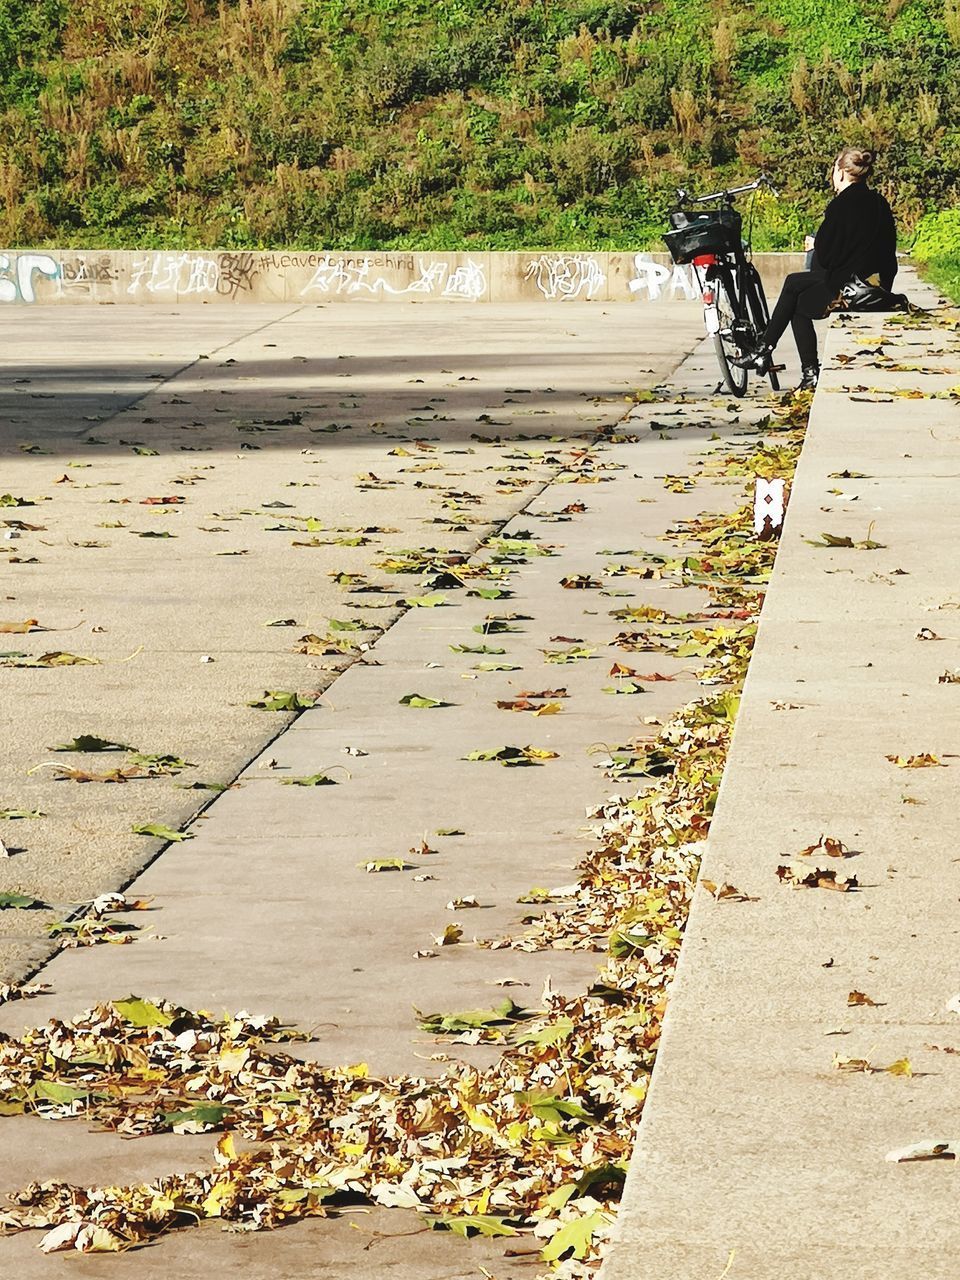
{"type": "Point", "coordinates": [537, 1142]}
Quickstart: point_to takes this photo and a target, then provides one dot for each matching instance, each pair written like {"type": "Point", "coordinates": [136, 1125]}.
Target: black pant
{"type": "Point", "coordinates": [803, 299]}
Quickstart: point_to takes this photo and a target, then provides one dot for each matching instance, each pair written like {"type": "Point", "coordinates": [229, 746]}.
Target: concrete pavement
{"type": "Point", "coordinates": [762, 1150]}
{"type": "Point", "coordinates": [275, 434]}
{"type": "Point", "coordinates": [266, 907]}
{"type": "Point", "coordinates": [746, 1109]}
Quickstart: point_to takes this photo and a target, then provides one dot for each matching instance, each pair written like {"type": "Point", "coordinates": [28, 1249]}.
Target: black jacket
{"type": "Point", "coordinates": [856, 238]}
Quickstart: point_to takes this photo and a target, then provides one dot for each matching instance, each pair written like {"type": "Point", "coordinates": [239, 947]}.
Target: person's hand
{"type": "Point", "coordinates": [808, 243]}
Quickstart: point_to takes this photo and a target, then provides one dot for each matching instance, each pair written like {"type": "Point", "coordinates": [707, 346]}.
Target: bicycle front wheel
{"type": "Point", "coordinates": [726, 338]}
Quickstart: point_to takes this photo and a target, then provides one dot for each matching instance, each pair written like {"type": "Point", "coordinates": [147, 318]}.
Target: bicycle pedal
{"type": "Point", "coordinates": [776, 368]}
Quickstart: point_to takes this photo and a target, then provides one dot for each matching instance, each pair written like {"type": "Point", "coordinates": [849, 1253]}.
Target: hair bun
{"type": "Point", "coordinates": [857, 162]}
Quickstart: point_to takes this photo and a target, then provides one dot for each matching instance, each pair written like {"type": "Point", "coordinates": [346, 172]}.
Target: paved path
{"type": "Point", "coordinates": [266, 423]}
{"type": "Point", "coordinates": [757, 1158]}
{"type": "Point", "coordinates": [782, 1155]}
{"type": "Point", "coordinates": [267, 908]}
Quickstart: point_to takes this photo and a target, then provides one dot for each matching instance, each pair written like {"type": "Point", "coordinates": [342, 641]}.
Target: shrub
{"type": "Point", "coordinates": [938, 236]}
{"type": "Point", "coordinates": [507, 123]}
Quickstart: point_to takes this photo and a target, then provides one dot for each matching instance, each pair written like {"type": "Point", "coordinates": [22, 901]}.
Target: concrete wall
{"type": "Point", "coordinates": [109, 276]}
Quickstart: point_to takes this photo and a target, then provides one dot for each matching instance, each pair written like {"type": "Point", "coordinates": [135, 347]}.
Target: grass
{"type": "Point", "coordinates": [369, 124]}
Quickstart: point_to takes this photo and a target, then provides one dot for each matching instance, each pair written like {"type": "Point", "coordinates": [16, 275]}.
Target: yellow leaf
{"type": "Point", "coordinates": [477, 1119]}
{"type": "Point", "coordinates": [95, 1239]}
{"type": "Point", "coordinates": [221, 1194]}
{"type": "Point", "coordinates": [901, 1067]}
{"type": "Point", "coordinates": [226, 1150]}
{"type": "Point", "coordinates": [233, 1060]}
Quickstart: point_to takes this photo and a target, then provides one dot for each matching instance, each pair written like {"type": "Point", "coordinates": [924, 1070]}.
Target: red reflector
{"type": "Point", "coordinates": [708, 298]}
{"type": "Point", "coordinates": [705, 260]}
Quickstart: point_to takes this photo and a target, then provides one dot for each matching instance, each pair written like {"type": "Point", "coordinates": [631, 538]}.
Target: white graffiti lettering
{"type": "Point", "coordinates": [431, 277]}
{"type": "Point", "coordinates": [468, 283]}
{"type": "Point", "coordinates": [333, 276]}
{"type": "Point", "coordinates": [180, 273]}
{"type": "Point", "coordinates": [17, 281]}
{"type": "Point", "coordinates": [204, 276]}
{"type": "Point", "coordinates": [564, 276]}
{"type": "Point", "coordinates": [353, 276]}
{"type": "Point", "coordinates": [652, 277]}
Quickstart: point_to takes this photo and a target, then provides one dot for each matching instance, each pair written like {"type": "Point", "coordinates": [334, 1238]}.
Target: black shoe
{"type": "Point", "coordinates": [811, 375]}
{"type": "Point", "coordinates": [758, 358]}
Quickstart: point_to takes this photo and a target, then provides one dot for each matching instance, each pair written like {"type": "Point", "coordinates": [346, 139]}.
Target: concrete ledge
{"type": "Point", "coordinates": [219, 276]}
{"type": "Point", "coordinates": [757, 1159]}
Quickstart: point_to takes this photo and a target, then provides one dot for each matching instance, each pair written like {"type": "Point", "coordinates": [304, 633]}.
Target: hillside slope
{"type": "Point", "coordinates": [515, 123]}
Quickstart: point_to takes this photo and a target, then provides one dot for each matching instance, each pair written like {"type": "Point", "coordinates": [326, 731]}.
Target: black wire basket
{"type": "Point", "coordinates": [709, 231]}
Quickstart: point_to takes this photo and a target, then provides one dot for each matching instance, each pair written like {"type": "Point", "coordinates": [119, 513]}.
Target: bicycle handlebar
{"type": "Point", "coordinates": [762, 181]}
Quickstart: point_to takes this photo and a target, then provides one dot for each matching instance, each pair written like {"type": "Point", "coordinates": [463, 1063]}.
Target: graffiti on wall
{"type": "Point", "coordinates": [18, 279]}
{"type": "Point", "coordinates": [467, 282]}
{"type": "Point", "coordinates": [81, 272]}
{"type": "Point", "coordinates": [192, 274]}
{"type": "Point", "coordinates": [213, 276]}
{"type": "Point", "coordinates": [353, 276]}
{"type": "Point", "coordinates": [654, 280]}
{"type": "Point", "coordinates": [236, 273]}
{"type": "Point", "coordinates": [176, 273]}
{"type": "Point", "coordinates": [560, 275]}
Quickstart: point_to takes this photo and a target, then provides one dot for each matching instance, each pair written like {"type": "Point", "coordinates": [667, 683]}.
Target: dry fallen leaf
{"type": "Point", "coordinates": [19, 628]}
{"type": "Point", "coordinates": [422, 849]}
{"type": "Point", "coordinates": [925, 761]}
{"type": "Point", "coordinates": [816, 878]}
{"type": "Point", "coordinates": [858, 997]}
{"type": "Point", "coordinates": [726, 892]}
{"type": "Point", "coordinates": [450, 936]}
{"type": "Point", "coordinates": [829, 845]}
{"type": "Point", "coordinates": [524, 704]}
{"type": "Point", "coordinates": [901, 1067]}
{"type": "Point", "coordinates": [928, 1149]}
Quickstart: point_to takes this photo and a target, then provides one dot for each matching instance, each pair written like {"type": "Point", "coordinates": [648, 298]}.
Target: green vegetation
{"type": "Point", "coordinates": [937, 250]}
{"type": "Point", "coordinates": [438, 123]}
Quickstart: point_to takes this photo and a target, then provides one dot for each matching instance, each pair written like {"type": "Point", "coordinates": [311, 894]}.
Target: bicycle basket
{"type": "Point", "coordinates": [712, 231]}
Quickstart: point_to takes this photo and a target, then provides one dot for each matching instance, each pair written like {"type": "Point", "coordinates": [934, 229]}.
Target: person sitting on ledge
{"type": "Point", "coordinates": [858, 237]}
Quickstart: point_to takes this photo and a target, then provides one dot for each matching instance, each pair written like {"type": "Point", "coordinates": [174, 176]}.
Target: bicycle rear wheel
{"type": "Point", "coordinates": [759, 312]}
{"type": "Point", "coordinates": [726, 339]}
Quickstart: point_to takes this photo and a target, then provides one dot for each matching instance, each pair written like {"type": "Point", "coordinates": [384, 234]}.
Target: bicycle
{"type": "Point", "coordinates": [735, 308]}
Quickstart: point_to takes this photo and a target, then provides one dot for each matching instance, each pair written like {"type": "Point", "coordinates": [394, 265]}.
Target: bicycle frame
{"type": "Point", "coordinates": [732, 275]}
{"type": "Point", "coordinates": [707, 267]}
